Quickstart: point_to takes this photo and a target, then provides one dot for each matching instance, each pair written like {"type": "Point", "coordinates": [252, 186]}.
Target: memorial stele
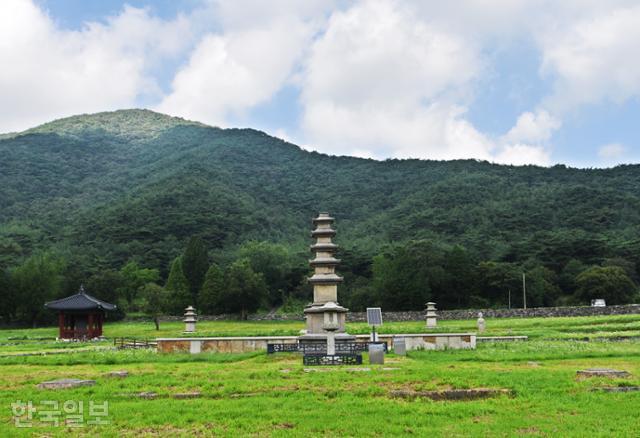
{"type": "Point", "coordinates": [324, 311]}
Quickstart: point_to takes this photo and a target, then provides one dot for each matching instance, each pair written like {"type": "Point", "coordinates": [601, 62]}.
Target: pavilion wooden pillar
{"type": "Point", "coordinates": [101, 318]}
{"type": "Point", "coordinates": [61, 324]}
{"type": "Point", "coordinates": [90, 325]}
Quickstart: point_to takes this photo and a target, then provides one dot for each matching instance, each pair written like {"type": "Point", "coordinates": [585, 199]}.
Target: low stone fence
{"type": "Point", "coordinates": [221, 344]}
{"type": "Point", "coordinates": [536, 312]}
{"type": "Point", "coordinates": [417, 341]}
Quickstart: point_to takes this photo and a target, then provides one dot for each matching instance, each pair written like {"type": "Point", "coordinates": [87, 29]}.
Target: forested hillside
{"type": "Point", "coordinates": [112, 200]}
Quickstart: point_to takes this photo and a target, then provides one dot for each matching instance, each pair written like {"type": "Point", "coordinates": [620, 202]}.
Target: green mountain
{"type": "Point", "coordinates": [136, 185]}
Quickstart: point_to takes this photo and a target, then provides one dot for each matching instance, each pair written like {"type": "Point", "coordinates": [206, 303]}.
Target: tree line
{"type": "Point", "coordinates": [260, 275]}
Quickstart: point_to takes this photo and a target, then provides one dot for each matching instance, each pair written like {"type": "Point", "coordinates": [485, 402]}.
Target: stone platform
{"type": "Point", "coordinates": [414, 341]}
{"type": "Point", "coordinates": [66, 383]}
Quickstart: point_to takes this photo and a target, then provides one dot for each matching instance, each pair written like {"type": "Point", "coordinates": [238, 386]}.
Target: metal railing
{"type": "Point", "coordinates": [320, 348]}
{"type": "Point", "coordinates": [336, 359]}
{"type": "Point", "coordinates": [134, 343]}
{"type": "Point", "coordinates": [282, 348]}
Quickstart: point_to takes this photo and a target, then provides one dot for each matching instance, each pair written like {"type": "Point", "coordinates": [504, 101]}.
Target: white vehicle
{"type": "Point", "coordinates": [598, 303]}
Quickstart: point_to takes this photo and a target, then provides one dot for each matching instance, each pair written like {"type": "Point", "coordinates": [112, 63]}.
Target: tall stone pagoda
{"type": "Point", "coordinates": [325, 317]}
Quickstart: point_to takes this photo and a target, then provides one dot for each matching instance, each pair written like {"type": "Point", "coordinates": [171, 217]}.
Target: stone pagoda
{"type": "Point", "coordinates": [325, 317]}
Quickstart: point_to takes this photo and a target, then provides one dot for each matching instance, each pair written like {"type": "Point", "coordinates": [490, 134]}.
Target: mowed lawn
{"type": "Point", "coordinates": [260, 395]}
{"type": "Point", "coordinates": [618, 326]}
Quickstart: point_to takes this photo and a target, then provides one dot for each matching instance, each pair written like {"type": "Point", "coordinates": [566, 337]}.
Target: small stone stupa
{"type": "Point", "coordinates": [190, 319]}
{"type": "Point", "coordinates": [325, 317]}
{"type": "Point", "coordinates": [432, 317]}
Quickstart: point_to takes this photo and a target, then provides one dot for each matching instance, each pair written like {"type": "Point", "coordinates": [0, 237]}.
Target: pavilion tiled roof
{"type": "Point", "coordinates": [79, 301]}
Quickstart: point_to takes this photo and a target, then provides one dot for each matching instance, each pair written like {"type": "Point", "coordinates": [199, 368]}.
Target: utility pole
{"type": "Point", "coordinates": [524, 290]}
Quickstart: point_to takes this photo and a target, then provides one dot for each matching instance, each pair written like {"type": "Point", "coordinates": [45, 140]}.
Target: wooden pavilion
{"type": "Point", "coordinates": [80, 316]}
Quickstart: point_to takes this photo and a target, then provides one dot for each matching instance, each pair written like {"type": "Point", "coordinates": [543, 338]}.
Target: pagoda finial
{"type": "Point", "coordinates": [81, 291]}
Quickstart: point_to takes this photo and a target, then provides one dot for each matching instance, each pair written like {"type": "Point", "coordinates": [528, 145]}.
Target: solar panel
{"type": "Point", "coordinates": [374, 316]}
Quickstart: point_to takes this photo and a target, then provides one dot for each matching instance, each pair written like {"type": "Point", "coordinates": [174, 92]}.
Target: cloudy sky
{"type": "Point", "coordinates": [509, 81]}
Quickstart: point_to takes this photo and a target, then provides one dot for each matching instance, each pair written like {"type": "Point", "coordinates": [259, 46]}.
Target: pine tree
{"type": "Point", "coordinates": [7, 297]}
{"type": "Point", "coordinates": [246, 289]}
{"type": "Point", "coordinates": [177, 288]}
{"type": "Point", "coordinates": [195, 264]}
{"type": "Point", "coordinates": [37, 280]}
{"type": "Point", "coordinates": [155, 302]}
{"type": "Point", "coordinates": [610, 283]}
{"type": "Point", "coordinates": [211, 299]}
{"type": "Point", "coordinates": [134, 278]}
{"type": "Point", "coordinates": [272, 261]}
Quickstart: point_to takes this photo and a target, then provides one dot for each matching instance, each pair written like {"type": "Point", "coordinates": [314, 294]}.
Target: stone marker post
{"type": "Point", "coordinates": [190, 319]}
{"type": "Point", "coordinates": [432, 321]}
{"type": "Point", "coordinates": [400, 346]}
{"type": "Point", "coordinates": [481, 323]}
{"type": "Point", "coordinates": [330, 326]}
{"type": "Point", "coordinates": [376, 354]}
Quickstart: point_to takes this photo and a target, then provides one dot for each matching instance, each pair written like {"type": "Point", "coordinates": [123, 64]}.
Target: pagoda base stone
{"type": "Point", "coordinates": [321, 338]}
{"type": "Point", "coordinates": [315, 320]}
{"type": "Point", "coordinates": [317, 343]}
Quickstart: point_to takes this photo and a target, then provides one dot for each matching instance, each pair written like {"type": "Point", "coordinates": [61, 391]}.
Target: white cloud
{"type": "Point", "coordinates": [381, 80]}
{"type": "Point", "coordinates": [234, 72]}
{"type": "Point", "coordinates": [528, 141]}
{"type": "Point", "coordinates": [594, 58]}
{"type": "Point", "coordinates": [433, 132]}
{"type": "Point", "coordinates": [612, 154]}
{"type": "Point", "coordinates": [396, 80]}
{"type": "Point", "coordinates": [385, 81]}
{"type": "Point", "coordinates": [533, 127]}
{"type": "Point", "coordinates": [282, 134]}
{"type": "Point", "coordinates": [362, 153]}
{"type": "Point", "coordinates": [246, 63]}
{"type": "Point", "coordinates": [48, 72]}
{"type": "Point", "coordinates": [242, 15]}
{"type": "Point", "coordinates": [520, 154]}
{"type": "Point", "coordinates": [377, 78]}
{"type": "Point", "coordinates": [612, 151]}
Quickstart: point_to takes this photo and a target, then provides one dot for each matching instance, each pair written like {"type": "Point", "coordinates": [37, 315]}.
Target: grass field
{"type": "Point", "coordinates": [260, 395]}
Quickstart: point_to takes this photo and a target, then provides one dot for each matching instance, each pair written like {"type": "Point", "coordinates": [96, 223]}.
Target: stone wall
{"type": "Point", "coordinates": [538, 312]}
{"type": "Point", "coordinates": [221, 344]}
{"type": "Point", "coordinates": [419, 341]}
